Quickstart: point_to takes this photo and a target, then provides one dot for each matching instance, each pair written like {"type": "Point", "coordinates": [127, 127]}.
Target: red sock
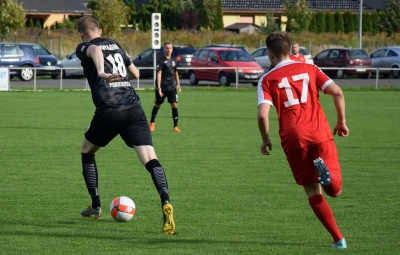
{"type": "Point", "coordinates": [325, 215]}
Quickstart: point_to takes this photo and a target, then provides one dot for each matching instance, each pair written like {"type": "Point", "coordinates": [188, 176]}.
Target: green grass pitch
{"type": "Point", "coordinates": [228, 198]}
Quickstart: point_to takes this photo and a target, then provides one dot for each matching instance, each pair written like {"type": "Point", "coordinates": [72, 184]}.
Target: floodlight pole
{"type": "Point", "coordinates": [360, 25]}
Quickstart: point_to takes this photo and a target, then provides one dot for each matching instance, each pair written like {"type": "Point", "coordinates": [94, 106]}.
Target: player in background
{"type": "Point", "coordinates": [167, 86]}
{"type": "Point", "coordinates": [296, 55]}
{"type": "Point", "coordinates": [292, 87]}
{"type": "Point", "coordinates": [118, 112]}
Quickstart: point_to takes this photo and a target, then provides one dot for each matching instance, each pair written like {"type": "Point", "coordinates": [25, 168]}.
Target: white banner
{"type": "Point", "coordinates": [4, 79]}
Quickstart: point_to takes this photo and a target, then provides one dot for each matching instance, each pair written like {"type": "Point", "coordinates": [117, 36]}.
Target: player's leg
{"type": "Point", "coordinates": [323, 211]}
{"type": "Point", "coordinates": [173, 100]}
{"type": "Point", "coordinates": [303, 170]}
{"type": "Point", "coordinates": [157, 104]}
{"type": "Point", "coordinates": [98, 135]}
{"type": "Point", "coordinates": [138, 136]}
{"type": "Point", "coordinates": [328, 161]}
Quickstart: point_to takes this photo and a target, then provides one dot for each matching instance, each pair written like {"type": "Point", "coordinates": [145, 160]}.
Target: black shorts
{"type": "Point", "coordinates": [171, 95]}
{"type": "Point", "coordinates": [131, 124]}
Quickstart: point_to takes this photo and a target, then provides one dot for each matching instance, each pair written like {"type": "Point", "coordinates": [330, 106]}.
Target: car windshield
{"type": "Point", "coordinates": [40, 50]}
{"type": "Point", "coordinates": [230, 55]}
{"type": "Point", "coordinates": [353, 54]}
{"type": "Point", "coordinates": [186, 50]}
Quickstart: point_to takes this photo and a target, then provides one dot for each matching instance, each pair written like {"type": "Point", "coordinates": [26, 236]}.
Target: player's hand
{"type": "Point", "coordinates": [178, 88]}
{"type": "Point", "coordinates": [115, 77]}
{"type": "Point", "coordinates": [264, 146]}
{"type": "Point", "coordinates": [341, 130]}
{"type": "Point", "coordinates": [160, 93]}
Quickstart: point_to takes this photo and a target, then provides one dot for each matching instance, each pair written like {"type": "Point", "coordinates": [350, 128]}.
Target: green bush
{"type": "Point", "coordinates": [330, 22]}
{"type": "Point", "coordinates": [321, 22]}
{"type": "Point", "coordinates": [348, 22]}
{"type": "Point", "coordinates": [339, 26]}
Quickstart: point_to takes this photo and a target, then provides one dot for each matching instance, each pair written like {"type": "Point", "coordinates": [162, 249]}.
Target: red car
{"type": "Point", "coordinates": [344, 57]}
{"type": "Point", "coordinates": [218, 58]}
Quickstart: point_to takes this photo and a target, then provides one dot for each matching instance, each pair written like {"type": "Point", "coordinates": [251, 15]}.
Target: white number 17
{"type": "Point", "coordinates": [286, 85]}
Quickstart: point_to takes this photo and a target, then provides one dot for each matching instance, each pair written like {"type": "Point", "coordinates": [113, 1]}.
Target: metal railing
{"type": "Point", "coordinates": [234, 69]}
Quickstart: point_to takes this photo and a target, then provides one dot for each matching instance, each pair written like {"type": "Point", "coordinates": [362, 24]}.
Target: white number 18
{"type": "Point", "coordinates": [286, 85]}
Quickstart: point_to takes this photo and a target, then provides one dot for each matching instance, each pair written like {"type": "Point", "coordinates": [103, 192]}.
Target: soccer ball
{"type": "Point", "coordinates": [122, 208]}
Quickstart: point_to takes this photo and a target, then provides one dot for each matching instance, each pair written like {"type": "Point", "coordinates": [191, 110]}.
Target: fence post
{"type": "Point", "coordinates": [377, 79]}
{"type": "Point", "coordinates": [59, 46]}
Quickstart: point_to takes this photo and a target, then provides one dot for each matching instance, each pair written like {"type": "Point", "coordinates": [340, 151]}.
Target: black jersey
{"type": "Point", "coordinates": [168, 69]}
{"type": "Point", "coordinates": [108, 96]}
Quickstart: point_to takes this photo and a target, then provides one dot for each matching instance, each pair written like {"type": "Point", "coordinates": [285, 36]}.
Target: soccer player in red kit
{"type": "Point", "coordinates": [292, 87]}
{"type": "Point", "coordinates": [296, 55]}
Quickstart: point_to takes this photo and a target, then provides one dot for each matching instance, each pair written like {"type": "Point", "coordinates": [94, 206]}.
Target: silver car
{"type": "Point", "coordinates": [387, 57]}
{"type": "Point", "coordinates": [260, 55]}
{"type": "Point", "coordinates": [72, 60]}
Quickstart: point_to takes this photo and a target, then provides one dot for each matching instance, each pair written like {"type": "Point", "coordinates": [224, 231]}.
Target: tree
{"type": "Point", "coordinates": [207, 12]}
{"type": "Point", "coordinates": [132, 11]}
{"type": "Point", "coordinates": [299, 15]}
{"type": "Point", "coordinates": [219, 22]}
{"type": "Point", "coordinates": [321, 22]}
{"type": "Point", "coordinates": [12, 16]}
{"type": "Point", "coordinates": [189, 19]}
{"type": "Point", "coordinates": [31, 24]}
{"type": "Point", "coordinates": [391, 22]}
{"type": "Point", "coordinates": [375, 23]}
{"type": "Point", "coordinates": [111, 14]}
{"type": "Point", "coordinates": [367, 23]}
{"type": "Point", "coordinates": [313, 24]}
{"type": "Point", "coordinates": [270, 25]}
{"type": "Point", "coordinates": [38, 25]}
{"type": "Point", "coordinates": [356, 18]}
{"type": "Point", "coordinates": [330, 22]}
{"type": "Point", "coordinates": [348, 22]}
{"type": "Point", "coordinates": [339, 25]}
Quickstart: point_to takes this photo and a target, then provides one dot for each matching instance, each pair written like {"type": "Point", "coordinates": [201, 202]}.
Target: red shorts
{"type": "Point", "coordinates": [302, 165]}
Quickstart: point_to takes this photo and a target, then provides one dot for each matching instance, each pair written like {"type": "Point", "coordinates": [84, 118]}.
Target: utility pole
{"type": "Point", "coordinates": [360, 25]}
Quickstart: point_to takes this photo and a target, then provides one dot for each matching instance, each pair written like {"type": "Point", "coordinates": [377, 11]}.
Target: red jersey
{"type": "Point", "coordinates": [292, 87]}
{"type": "Point", "coordinates": [299, 58]}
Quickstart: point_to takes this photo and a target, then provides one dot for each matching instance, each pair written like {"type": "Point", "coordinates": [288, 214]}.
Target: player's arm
{"type": "Point", "coordinates": [133, 72]}
{"type": "Point", "coordinates": [263, 126]}
{"type": "Point", "coordinates": [159, 72]}
{"type": "Point", "coordinates": [96, 54]}
{"type": "Point", "coordinates": [338, 99]}
{"type": "Point", "coordinates": [178, 84]}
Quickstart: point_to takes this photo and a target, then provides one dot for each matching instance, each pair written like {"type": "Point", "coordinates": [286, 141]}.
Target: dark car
{"type": "Point", "coordinates": [50, 64]}
{"type": "Point", "coordinates": [344, 57]}
{"type": "Point", "coordinates": [19, 55]}
{"type": "Point", "coordinates": [230, 61]}
{"type": "Point", "coordinates": [387, 57]}
{"type": "Point", "coordinates": [182, 53]}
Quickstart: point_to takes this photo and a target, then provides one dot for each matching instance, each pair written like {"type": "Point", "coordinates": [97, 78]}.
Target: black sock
{"type": "Point", "coordinates": [154, 113]}
{"type": "Point", "coordinates": [91, 178]}
{"type": "Point", "coordinates": [160, 181]}
{"type": "Point", "coordinates": [175, 116]}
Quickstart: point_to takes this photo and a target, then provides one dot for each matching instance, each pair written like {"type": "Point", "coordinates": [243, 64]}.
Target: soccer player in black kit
{"type": "Point", "coordinates": [118, 111]}
{"type": "Point", "coordinates": [167, 86]}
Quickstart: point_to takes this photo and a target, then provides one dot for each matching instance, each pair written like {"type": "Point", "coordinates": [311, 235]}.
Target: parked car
{"type": "Point", "coordinates": [72, 61]}
{"type": "Point", "coordinates": [387, 57]}
{"type": "Point", "coordinates": [48, 61]}
{"type": "Point", "coordinates": [260, 55]}
{"type": "Point", "coordinates": [18, 55]}
{"type": "Point", "coordinates": [225, 45]}
{"type": "Point", "coordinates": [249, 71]}
{"type": "Point", "coordinates": [182, 53]}
{"type": "Point", "coordinates": [344, 57]}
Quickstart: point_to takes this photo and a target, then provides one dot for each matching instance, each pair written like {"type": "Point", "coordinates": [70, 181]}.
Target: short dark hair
{"type": "Point", "coordinates": [278, 43]}
{"type": "Point", "coordinates": [168, 42]}
{"type": "Point", "coordinates": [86, 24]}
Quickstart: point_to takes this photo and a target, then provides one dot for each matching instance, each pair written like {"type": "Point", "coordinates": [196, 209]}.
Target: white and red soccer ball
{"type": "Point", "coordinates": [122, 208]}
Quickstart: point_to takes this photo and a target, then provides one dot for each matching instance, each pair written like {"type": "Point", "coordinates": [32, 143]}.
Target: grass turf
{"type": "Point", "coordinates": [228, 198]}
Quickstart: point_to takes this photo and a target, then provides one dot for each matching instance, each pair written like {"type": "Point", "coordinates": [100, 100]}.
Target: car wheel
{"type": "Point", "coordinates": [192, 78]}
{"type": "Point", "coordinates": [340, 74]}
{"type": "Point", "coordinates": [26, 74]}
{"type": "Point", "coordinates": [395, 73]}
{"type": "Point", "coordinates": [224, 80]}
